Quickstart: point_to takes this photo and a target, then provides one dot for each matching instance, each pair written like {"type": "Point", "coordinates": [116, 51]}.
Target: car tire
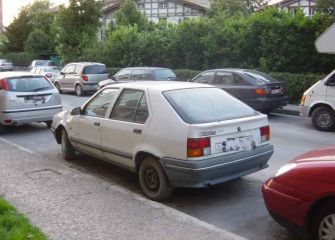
{"type": "Point", "coordinates": [79, 90]}
{"type": "Point", "coordinates": [68, 151]}
{"type": "Point", "coordinates": [48, 123]}
{"type": "Point", "coordinates": [58, 87]}
{"type": "Point", "coordinates": [323, 118]}
{"type": "Point", "coordinates": [153, 180]}
{"type": "Point", "coordinates": [323, 220]}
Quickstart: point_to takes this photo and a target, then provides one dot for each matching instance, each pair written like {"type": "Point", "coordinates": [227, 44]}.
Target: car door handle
{"type": "Point", "coordinates": [137, 131]}
{"type": "Point", "coordinates": [96, 124]}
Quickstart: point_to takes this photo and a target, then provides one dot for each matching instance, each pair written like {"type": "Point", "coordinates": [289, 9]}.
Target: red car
{"type": "Point", "coordinates": [301, 197]}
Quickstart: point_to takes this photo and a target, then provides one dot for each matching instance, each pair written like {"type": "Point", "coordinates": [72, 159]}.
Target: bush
{"type": "Point", "coordinates": [112, 70]}
{"type": "Point", "coordinates": [186, 74]}
{"type": "Point", "coordinates": [22, 59]}
{"type": "Point", "coordinates": [297, 84]}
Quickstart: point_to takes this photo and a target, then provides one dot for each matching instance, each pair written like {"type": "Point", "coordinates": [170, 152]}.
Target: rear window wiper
{"type": "Point", "coordinates": [40, 89]}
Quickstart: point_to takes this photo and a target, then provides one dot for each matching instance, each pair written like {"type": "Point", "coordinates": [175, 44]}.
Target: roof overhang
{"type": "Point", "coordinates": [325, 43]}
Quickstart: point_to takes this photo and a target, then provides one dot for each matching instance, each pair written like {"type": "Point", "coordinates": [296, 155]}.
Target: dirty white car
{"type": "Point", "coordinates": [173, 134]}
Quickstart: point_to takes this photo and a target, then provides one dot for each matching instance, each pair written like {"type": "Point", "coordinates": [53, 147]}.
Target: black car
{"type": "Point", "coordinates": [140, 74]}
{"type": "Point", "coordinates": [257, 89]}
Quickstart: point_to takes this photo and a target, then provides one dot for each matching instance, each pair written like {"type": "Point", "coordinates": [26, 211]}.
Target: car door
{"type": "Point", "coordinates": [331, 89]}
{"type": "Point", "coordinates": [125, 129]}
{"type": "Point", "coordinates": [69, 77]}
{"type": "Point", "coordinates": [85, 129]}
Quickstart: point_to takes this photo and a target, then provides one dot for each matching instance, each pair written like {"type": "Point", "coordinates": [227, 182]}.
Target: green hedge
{"type": "Point", "coordinates": [22, 59]}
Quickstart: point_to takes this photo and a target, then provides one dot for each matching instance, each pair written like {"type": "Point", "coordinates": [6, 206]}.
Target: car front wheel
{"type": "Point", "coordinates": [153, 180]}
{"type": "Point", "coordinates": [68, 151]}
{"type": "Point", "coordinates": [323, 118]}
{"type": "Point", "coordinates": [323, 227]}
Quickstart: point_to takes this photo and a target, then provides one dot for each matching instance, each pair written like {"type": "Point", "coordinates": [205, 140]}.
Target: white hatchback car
{"type": "Point", "coordinates": [174, 134]}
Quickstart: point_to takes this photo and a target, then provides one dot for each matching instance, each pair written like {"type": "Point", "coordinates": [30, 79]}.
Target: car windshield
{"type": "Point", "coordinates": [50, 69]}
{"type": "Point", "coordinates": [204, 105]}
{"type": "Point", "coordinates": [41, 63]}
{"type": "Point", "coordinates": [28, 84]}
{"type": "Point", "coordinates": [260, 76]}
{"type": "Point", "coordinates": [95, 69]}
{"type": "Point", "coordinates": [164, 74]}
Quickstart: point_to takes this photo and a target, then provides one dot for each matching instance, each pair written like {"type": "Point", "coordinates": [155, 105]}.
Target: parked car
{"type": "Point", "coordinates": [6, 65]}
{"type": "Point", "coordinates": [318, 102]}
{"type": "Point", "coordinates": [81, 77]}
{"type": "Point", "coordinates": [174, 134]}
{"type": "Point", "coordinates": [25, 98]}
{"type": "Point", "coordinates": [39, 63]}
{"type": "Point", "coordinates": [301, 197]}
{"type": "Point", "coordinates": [49, 72]}
{"type": "Point", "coordinates": [140, 74]}
{"type": "Point", "coordinates": [259, 90]}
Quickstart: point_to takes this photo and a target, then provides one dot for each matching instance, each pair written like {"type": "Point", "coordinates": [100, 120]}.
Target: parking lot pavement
{"type": "Point", "coordinates": [68, 204]}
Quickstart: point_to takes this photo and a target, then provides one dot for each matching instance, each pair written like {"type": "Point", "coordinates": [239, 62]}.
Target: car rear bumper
{"type": "Point", "coordinates": [22, 116]}
{"type": "Point", "coordinates": [90, 87]}
{"type": "Point", "coordinates": [287, 206]}
{"type": "Point", "coordinates": [304, 111]}
{"type": "Point", "coordinates": [202, 173]}
{"type": "Point", "coordinates": [267, 103]}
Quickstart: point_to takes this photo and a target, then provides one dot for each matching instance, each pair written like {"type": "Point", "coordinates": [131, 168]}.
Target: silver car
{"type": "Point", "coordinates": [6, 65]}
{"type": "Point", "coordinates": [50, 72]}
{"type": "Point", "coordinates": [81, 77]}
{"type": "Point", "coordinates": [26, 98]}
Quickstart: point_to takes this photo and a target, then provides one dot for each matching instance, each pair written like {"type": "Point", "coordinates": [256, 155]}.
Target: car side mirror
{"type": "Point", "coordinates": [76, 111]}
{"type": "Point", "coordinates": [113, 78]}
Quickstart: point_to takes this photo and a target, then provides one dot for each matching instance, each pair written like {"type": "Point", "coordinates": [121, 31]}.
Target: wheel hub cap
{"type": "Point", "coordinates": [152, 180]}
{"type": "Point", "coordinates": [324, 119]}
{"type": "Point", "coordinates": [327, 228]}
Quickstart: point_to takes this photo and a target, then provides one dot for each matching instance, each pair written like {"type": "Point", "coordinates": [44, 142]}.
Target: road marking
{"type": "Point", "coordinates": [17, 146]}
{"type": "Point", "coordinates": [178, 214]}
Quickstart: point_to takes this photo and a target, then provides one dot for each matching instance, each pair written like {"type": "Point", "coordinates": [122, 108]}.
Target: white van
{"type": "Point", "coordinates": [318, 102]}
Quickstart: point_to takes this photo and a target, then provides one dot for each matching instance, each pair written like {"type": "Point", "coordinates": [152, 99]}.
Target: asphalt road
{"type": "Point", "coordinates": [236, 206]}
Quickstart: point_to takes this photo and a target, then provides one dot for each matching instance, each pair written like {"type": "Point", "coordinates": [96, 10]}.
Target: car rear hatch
{"type": "Point", "coordinates": [29, 94]}
{"type": "Point", "coordinates": [227, 137]}
{"type": "Point", "coordinates": [276, 89]}
{"type": "Point", "coordinates": [93, 74]}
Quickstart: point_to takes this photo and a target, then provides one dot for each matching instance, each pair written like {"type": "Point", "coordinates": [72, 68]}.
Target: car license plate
{"type": "Point", "coordinates": [35, 99]}
{"type": "Point", "coordinates": [276, 91]}
{"type": "Point", "coordinates": [245, 143]}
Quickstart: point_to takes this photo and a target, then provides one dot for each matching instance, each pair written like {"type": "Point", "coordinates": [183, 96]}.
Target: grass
{"type": "Point", "coordinates": [15, 226]}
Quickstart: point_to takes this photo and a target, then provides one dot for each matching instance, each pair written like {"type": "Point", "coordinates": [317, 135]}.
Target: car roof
{"type": "Point", "coordinates": [86, 63]}
{"type": "Point", "coordinates": [16, 74]}
{"type": "Point", "coordinates": [160, 86]}
{"type": "Point", "coordinates": [145, 68]}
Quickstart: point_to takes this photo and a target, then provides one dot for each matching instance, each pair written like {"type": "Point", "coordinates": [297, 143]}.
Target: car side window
{"type": "Point", "coordinates": [98, 106]}
{"type": "Point", "coordinates": [331, 80]}
{"type": "Point", "coordinates": [78, 69]}
{"type": "Point", "coordinates": [238, 80]}
{"type": "Point", "coordinates": [123, 75]}
{"type": "Point", "coordinates": [70, 69]}
{"type": "Point", "coordinates": [204, 77]}
{"type": "Point", "coordinates": [225, 78]}
{"type": "Point", "coordinates": [138, 75]}
{"type": "Point", "coordinates": [129, 107]}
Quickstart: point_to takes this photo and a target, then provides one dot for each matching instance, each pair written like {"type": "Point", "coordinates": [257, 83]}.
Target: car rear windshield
{"type": "Point", "coordinates": [204, 105]}
{"type": "Point", "coordinates": [95, 69]}
{"type": "Point", "coordinates": [41, 63]}
{"type": "Point", "coordinates": [28, 84]}
{"type": "Point", "coordinates": [51, 69]}
{"type": "Point", "coordinates": [260, 76]}
{"type": "Point", "coordinates": [164, 74]}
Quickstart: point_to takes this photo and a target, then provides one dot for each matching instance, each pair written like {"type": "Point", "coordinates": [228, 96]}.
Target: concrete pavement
{"type": "Point", "coordinates": [289, 109]}
{"type": "Point", "coordinates": [69, 204]}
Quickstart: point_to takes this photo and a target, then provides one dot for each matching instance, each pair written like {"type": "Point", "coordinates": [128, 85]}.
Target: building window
{"type": "Point", "coordinates": [163, 5]}
{"type": "Point", "coordinates": [140, 5]}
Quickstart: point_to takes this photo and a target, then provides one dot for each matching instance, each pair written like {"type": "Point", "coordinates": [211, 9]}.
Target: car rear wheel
{"type": "Point", "coordinates": [79, 90]}
{"type": "Point", "coordinates": [323, 118]}
{"type": "Point", "coordinates": [323, 227]}
{"type": "Point", "coordinates": [153, 180]}
{"type": "Point", "coordinates": [68, 151]}
{"type": "Point", "coordinates": [58, 87]}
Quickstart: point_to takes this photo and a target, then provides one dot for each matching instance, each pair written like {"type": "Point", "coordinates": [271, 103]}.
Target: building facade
{"type": "Point", "coordinates": [307, 6]}
{"type": "Point", "coordinates": [171, 11]}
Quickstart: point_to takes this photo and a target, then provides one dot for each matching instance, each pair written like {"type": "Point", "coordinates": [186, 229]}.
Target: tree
{"type": "Point", "coordinates": [75, 23]}
{"type": "Point", "coordinates": [326, 8]}
{"type": "Point", "coordinates": [39, 42]}
{"type": "Point", "coordinates": [128, 15]}
{"type": "Point", "coordinates": [235, 7]}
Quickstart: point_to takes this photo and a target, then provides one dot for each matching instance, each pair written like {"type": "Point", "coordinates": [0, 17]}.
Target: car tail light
{"type": "Point", "coordinates": [84, 77]}
{"type": "Point", "coordinates": [198, 147]}
{"type": "Point", "coordinates": [265, 133]}
{"type": "Point", "coordinates": [260, 91]}
{"type": "Point", "coordinates": [4, 84]}
{"type": "Point", "coordinates": [302, 101]}
{"type": "Point", "coordinates": [8, 121]}
{"type": "Point", "coordinates": [48, 75]}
